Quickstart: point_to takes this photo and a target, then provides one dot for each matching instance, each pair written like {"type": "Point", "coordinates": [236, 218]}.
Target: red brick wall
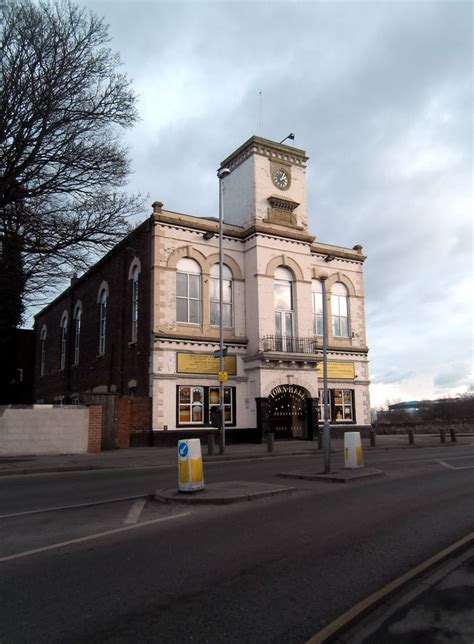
{"type": "Point", "coordinates": [95, 428]}
{"type": "Point", "coordinates": [133, 415]}
{"type": "Point", "coordinates": [123, 360]}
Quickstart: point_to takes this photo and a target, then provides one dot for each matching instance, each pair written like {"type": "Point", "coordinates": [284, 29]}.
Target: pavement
{"type": "Point", "coordinates": [436, 608]}
{"type": "Point", "coordinates": [136, 457]}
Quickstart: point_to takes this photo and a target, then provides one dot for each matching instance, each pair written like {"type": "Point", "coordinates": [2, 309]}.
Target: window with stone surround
{"type": "Point", "coordinates": [340, 310]}
{"type": "Point", "coordinates": [188, 291]}
{"type": "Point", "coordinates": [227, 296]}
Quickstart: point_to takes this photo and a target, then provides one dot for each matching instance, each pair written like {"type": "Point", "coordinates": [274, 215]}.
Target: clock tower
{"type": "Point", "coordinates": [266, 186]}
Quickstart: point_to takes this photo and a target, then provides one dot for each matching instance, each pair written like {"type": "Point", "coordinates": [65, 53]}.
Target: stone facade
{"type": "Point", "coordinates": [171, 363]}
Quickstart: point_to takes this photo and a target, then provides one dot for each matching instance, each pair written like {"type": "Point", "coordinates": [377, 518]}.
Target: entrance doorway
{"type": "Point", "coordinates": [287, 411]}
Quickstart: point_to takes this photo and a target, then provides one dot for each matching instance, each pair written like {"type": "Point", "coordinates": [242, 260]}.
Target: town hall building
{"type": "Point", "coordinates": [139, 330]}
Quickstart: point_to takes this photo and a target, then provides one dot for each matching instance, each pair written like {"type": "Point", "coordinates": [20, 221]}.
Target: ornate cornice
{"type": "Point", "coordinates": [264, 147]}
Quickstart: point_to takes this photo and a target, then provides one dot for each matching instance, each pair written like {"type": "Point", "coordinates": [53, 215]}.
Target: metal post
{"type": "Point", "coordinates": [270, 437]}
{"type": "Point", "coordinates": [326, 430]}
{"type": "Point", "coordinates": [442, 435]}
{"type": "Point", "coordinates": [223, 172]}
{"type": "Point", "coordinates": [210, 445]}
{"type": "Point", "coordinates": [411, 437]}
{"type": "Point", "coordinates": [453, 434]}
{"type": "Point", "coordinates": [373, 439]}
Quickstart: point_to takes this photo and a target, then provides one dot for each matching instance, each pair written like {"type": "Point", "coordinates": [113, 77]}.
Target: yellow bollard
{"type": "Point", "coordinates": [352, 451]}
{"type": "Point", "coordinates": [190, 470]}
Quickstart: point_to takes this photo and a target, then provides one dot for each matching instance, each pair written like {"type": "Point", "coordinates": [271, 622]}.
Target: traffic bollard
{"type": "Point", "coordinates": [373, 440]}
{"type": "Point", "coordinates": [320, 440]}
{"type": "Point", "coordinates": [270, 439]}
{"type": "Point", "coordinates": [211, 445]}
{"type": "Point", "coordinates": [221, 444]}
{"type": "Point", "coordinates": [442, 435]}
{"type": "Point", "coordinates": [453, 435]}
{"type": "Point", "coordinates": [411, 437]}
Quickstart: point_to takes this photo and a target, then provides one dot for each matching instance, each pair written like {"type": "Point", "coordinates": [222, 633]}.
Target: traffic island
{"type": "Point", "coordinates": [223, 493]}
{"type": "Point", "coordinates": [338, 476]}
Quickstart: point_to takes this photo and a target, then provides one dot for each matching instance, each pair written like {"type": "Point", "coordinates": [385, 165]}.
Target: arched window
{"type": "Point", "coordinates": [43, 335]}
{"type": "Point", "coordinates": [135, 274]}
{"type": "Point", "coordinates": [317, 297]}
{"type": "Point", "coordinates": [62, 352]}
{"type": "Point", "coordinates": [102, 319]}
{"type": "Point", "coordinates": [77, 333]}
{"type": "Point", "coordinates": [188, 291]}
{"type": "Point", "coordinates": [339, 311]}
{"type": "Point", "coordinates": [284, 309]}
{"type": "Point", "coordinates": [227, 296]}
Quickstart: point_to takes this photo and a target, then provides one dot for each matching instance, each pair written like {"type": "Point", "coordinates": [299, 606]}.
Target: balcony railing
{"type": "Point", "coordinates": [287, 344]}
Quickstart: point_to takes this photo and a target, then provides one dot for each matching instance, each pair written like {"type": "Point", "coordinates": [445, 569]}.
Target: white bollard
{"type": "Point", "coordinates": [352, 451]}
{"type": "Point", "coordinates": [190, 470]}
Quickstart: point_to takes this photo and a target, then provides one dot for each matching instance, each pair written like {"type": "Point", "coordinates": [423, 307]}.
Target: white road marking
{"type": "Point", "coordinates": [90, 537]}
{"type": "Point", "coordinates": [54, 508]}
{"type": "Point", "coordinates": [134, 513]}
{"type": "Point", "coordinates": [451, 467]}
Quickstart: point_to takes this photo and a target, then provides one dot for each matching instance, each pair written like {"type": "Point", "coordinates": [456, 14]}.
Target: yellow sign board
{"type": "Point", "coordinates": [337, 370]}
{"type": "Point", "coordinates": [204, 363]}
{"type": "Point", "coordinates": [222, 376]}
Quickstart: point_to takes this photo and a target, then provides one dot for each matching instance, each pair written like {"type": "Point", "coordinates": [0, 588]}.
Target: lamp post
{"type": "Point", "coordinates": [326, 430]}
{"type": "Point", "coordinates": [223, 172]}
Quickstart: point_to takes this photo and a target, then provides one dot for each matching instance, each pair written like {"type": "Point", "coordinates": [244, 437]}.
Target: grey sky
{"type": "Point", "coordinates": [380, 97]}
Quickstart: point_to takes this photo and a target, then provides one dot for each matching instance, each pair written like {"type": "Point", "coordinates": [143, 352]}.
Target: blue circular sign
{"type": "Point", "coordinates": [183, 450]}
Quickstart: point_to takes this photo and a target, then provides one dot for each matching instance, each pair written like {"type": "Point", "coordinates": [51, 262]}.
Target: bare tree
{"type": "Point", "coordinates": [63, 104]}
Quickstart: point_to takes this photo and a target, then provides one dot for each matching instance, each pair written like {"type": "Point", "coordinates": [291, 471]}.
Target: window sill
{"type": "Point", "coordinates": [99, 356]}
{"type": "Point", "coordinates": [132, 343]}
{"type": "Point", "coordinates": [194, 325]}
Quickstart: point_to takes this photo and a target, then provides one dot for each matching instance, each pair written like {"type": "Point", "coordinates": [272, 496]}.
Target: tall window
{"type": "Point", "coordinates": [284, 308]}
{"type": "Point", "coordinates": [317, 296]}
{"type": "Point", "coordinates": [77, 333]}
{"type": "Point", "coordinates": [340, 405]}
{"type": "Point", "coordinates": [62, 359]}
{"type": "Point", "coordinates": [188, 291]}
{"type": "Point", "coordinates": [339, 311]}
{"type": "Point", "coordinates": [102, 320]}
{"type": "Point", "coordinates": [191, 405]}
{"type": "Point", "coordinates": [135, 274]}
{"type": "Point", "coordinates": [43, 351]}
{"type": "Point", "coordinates": [215, 400]}
{"type": "Point", "coordinates": [227, 295]}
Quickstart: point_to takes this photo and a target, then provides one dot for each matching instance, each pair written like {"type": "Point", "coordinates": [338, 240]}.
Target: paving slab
{"type": "Point", "coordinates": [223, 493]}
{"type": "Point", "coordinates": [337, 476]}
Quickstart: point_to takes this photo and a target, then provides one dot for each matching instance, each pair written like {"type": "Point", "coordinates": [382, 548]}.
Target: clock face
{"type": "Point", "coordinates": [281, 179]}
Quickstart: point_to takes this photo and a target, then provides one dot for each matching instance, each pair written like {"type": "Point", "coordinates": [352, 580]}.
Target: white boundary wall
{"type": "Point", "coordinates": [43, 429]}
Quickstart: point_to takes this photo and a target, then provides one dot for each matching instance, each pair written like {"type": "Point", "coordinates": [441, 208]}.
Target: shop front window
{"type": "Point", "coordinates": [343, 404]}
{"type": "Point", "coordinates": [196, 403]}
{"type": "Point", "coordinates": [215, 400]}
{"type": "Point", "coordinates": [191, 405]}
{"type": "Point", "coordinates": [340, 405]}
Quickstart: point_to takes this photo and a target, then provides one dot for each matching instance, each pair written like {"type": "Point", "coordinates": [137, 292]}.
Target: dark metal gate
{"type": "Point", "coordinates": [287, 411]}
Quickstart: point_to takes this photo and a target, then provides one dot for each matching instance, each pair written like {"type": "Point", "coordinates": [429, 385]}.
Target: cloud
{"type": "Point", "coordinates": [391, 376]}
{"type": "Point", "coordinates": [454, 375]}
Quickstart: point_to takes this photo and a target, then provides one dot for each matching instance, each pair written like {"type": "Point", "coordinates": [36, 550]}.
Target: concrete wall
{"type": "Point", "coordinates": [44, 429]}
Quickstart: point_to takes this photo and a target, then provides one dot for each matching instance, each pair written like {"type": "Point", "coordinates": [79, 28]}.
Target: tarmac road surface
{"type": "Point", "coordinates": [274, 570]}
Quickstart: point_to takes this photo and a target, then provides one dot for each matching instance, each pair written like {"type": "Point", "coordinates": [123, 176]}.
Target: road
{"type": "Point", "coordinates": [274, 570]}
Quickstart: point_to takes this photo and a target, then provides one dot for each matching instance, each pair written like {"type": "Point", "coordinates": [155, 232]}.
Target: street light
{"type": "Point", "coordinates": [326, 430]}
{"type": "Point", "coordinates": [223, 172]}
